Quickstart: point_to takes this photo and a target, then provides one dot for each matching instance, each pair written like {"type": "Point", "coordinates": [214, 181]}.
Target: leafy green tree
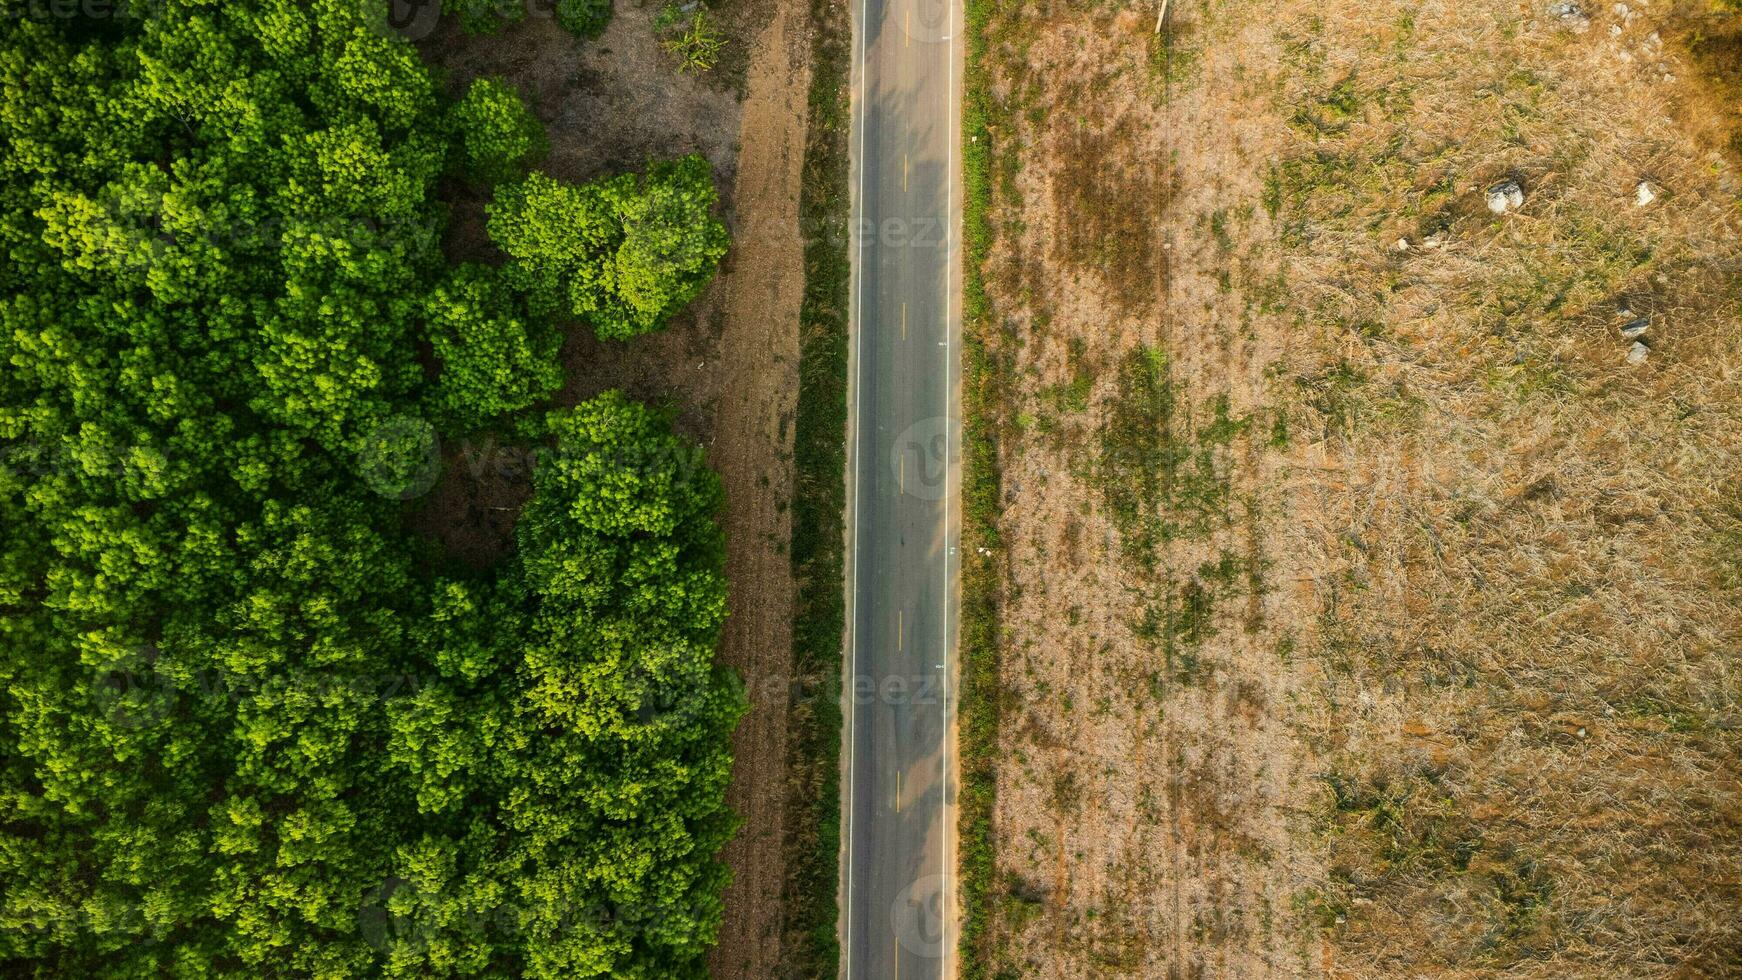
{"type": "Point", "coordinates": [498, 135]}
{"type": "Point", "coordinates": [671, 244]}
{"type": "Point", "coordinates": [626, 252]}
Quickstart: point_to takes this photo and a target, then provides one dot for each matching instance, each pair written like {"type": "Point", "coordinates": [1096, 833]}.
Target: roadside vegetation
{"type": "Point", "coordinates": [810, 946]}
{"type": "Point", "coordinates": [251, 723]}
{"type": "Point", "coordinates": [1352, 532]}
{"type": "Point", "coordinates": [983, 409]}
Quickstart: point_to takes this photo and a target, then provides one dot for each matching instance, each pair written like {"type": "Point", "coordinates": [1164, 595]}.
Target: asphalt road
{"type": "Point", "coordinates": [898, 891]}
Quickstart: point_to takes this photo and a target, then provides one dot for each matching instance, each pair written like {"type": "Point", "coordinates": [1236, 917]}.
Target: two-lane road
{"type": "Point", "coordinates": [898, 895]}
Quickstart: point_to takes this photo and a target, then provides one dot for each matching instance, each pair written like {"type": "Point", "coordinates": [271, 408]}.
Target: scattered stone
{"type": "Point", "coordinates": [1571, 14]}
{"type": "Point", "coordinates": [1435, 240]}
{"type": "Point", "coordinates": [1644, 193]}
{"type": "Point", "coordinates": [1402, 245]}
{"type": "Point", "coordinates": [1635, 328]}
{"type": "Point", "coordinates": [1637, 354]}
{"type": "Point", "coordinates": [1505, 196]}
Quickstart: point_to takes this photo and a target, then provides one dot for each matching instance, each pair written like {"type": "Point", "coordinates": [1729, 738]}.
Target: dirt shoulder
{"type": "Point", "coordinates": [753, 450]}
{"type": "Point", "coordinates": [1363, 610]}
{"type": "Point", "coordinates": [728, 364]}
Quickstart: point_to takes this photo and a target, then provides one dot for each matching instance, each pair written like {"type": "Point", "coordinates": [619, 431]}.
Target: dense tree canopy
{"type": "Point", "coordinates": [249, 724]}
{"type": "Point", "coordinates": [625, 253]}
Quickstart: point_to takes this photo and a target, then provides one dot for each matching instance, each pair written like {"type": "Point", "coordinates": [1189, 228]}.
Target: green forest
{"type": "Point", "coordinates": [251, 724]}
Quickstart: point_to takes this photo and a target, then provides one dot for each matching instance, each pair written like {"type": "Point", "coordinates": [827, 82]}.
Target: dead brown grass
{"type": "Point", "coordinates": [1367, 614]}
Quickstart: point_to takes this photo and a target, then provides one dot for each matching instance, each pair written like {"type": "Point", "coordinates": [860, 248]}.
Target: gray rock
{"type": "Point", "coordinates": [1637, 354]}
{"type": "Point", "coordinates": [1508, 195]}
{"type": "Point", "coordinates": [1644, 193]}
{"type": "Point", "coordinates": [1571, 15]}
{"type": "Point", "coordinates": [1635, 328]}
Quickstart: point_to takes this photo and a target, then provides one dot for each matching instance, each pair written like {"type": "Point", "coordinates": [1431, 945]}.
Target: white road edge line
{"type": "Point", "coordinates": [857, 329]}
{"type": "Point", "coordinates": [952, 132]}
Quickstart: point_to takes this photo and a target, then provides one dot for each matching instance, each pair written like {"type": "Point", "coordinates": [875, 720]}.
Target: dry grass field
{"type": "Point", "coordinates": [1365, 609]}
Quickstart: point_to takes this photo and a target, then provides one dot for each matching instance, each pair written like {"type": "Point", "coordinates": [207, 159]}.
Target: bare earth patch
{"type": "Point", "coordinates": [728, 364]}
{"type": "Point", "coordinates": [1366, 613]}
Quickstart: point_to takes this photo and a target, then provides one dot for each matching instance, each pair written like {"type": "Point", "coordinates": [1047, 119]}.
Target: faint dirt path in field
{"type": "Point", "coordinates": [753, 452]}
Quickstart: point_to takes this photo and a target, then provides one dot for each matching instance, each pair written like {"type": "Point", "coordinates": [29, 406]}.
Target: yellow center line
{"type": "Point", "coordinates": [897, 956]}
{"type": "Point", "coordinates": [901, 484]}
{"type": "Point", "coordinates": [898, 630]}
{"type": "Point", "coordinates": [904, 321]}
{"type": "Point", "coordinates": [904, 172]}
{"type": "Point", "coordinates": [907, 29]}
{"type": "Point", "coordinates": [898, 791]}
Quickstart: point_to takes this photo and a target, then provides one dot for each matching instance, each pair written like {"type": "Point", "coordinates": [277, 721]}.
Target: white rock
{"type": "Point", "coordinates": [1644, 193]}
{"type": "Point", "coordinates": [1402, 245]}
{"type": "Point", "coordinates": [1505, 196]}
{"type": "Point", "coordinates": [1635, 328]}
{"type": "Point", "coordinates": [1637, 354]}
